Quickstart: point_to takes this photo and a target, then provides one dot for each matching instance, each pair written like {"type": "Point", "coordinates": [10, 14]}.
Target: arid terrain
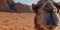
{"type": "Point", "coordinates": [16, 21]}
{"type": "Point", "coordinates": [15, 16]}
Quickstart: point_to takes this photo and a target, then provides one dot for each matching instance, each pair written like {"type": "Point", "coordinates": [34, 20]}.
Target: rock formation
{"type": "Point", "coordinates": [18, 7]}
{"type": "Point", "coordinates": [11, 6]}
{"type": "Point", "coordinates": [4, 5]}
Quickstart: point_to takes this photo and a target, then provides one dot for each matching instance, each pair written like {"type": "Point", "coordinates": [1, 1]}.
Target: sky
{"type": "Point", "coordinates": [29, 2]}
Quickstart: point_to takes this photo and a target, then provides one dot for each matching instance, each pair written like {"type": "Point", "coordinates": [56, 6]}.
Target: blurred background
{"type": "Point", "coordinates": [29, 2]}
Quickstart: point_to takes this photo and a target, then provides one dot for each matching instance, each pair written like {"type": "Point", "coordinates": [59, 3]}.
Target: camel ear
{"type": "Point", "coordinates": [32, 6]}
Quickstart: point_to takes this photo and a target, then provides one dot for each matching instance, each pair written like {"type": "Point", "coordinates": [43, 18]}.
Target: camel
{"type": "Point", "coordinates": [45, 18]}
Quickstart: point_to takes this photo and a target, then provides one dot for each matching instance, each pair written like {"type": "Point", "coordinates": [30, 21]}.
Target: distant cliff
{"type": "Point", "coordinates": [11, 6]}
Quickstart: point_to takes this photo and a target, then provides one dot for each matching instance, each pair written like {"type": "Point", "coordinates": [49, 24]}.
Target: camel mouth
{"type": "Point", "coordinates": [48, 20]}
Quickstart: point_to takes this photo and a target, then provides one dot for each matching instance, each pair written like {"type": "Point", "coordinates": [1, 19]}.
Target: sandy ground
{"type": "Point", "coordinates": [17, 21]}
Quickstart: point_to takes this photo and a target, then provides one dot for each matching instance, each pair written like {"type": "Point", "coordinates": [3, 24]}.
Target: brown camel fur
{"type": "Point", "coordinates": [45, 18]}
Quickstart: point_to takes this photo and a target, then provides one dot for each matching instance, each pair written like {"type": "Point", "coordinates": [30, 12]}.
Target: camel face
{"type": "Point", "coordinates": [46, 17]}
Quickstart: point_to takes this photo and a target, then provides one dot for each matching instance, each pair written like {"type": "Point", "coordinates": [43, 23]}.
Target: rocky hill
{"type": "Point", "coordinates": [11, 6]}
